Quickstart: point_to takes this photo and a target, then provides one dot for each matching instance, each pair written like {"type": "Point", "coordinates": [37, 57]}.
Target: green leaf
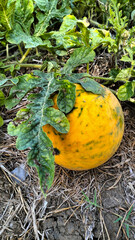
{"type": "Point", "coordinates": [125, 59]}
{"type": "Point", "coordinates": [95, 198]}
{"type": "Point", "coordinates": [2, 98]}
{"type": "Point", "coordinates": [67, 37]}
{"type": "Point", "coordinates": [118, 219]}
{"type": "Point", "coordinates": [125, 92]}
{"type": "Point", "coordinates": [133, 15]}
{"type": "Point", "coordinates": [30, 134]}
{"type": "Point", "coordinates": [129, 212]}
{"type": "Point", "coordinates": [85, 33]}
{"type": "Point", "coordinates": [100, 37]}
{"type": "Point", "coordinates": [12, 80]}
{"type": "Point", "coordinates": [127, 229]}
{"type": "Point", "coordinates": [24, 14]}
{"type": "Point", "coordinates": [1, 121]}
{"type": "Point", "coordinates": [57, 119]}
{"type": "Point", "coordinates": [66, 96]}
{"type": "Point", "coordinates": [69, 22]}
{"type": "Point", "coordinates": [49, 11]}
{"type": "Point", "coordinates": [87, 83]}
{"type": "Point", "coordinates": [18, 35]}
{"type": "Point", "coordinates": [79, 56]}
{"type": "Point", "coordinates": [123, 75]}
{"type": "Point", "coordinates": [25, 83]}
{"type": "Point", "coordinates": [21, 30]}
{"type": "Point", "coordinates": [28, 123]}
{"type": "Point", "coordinates": [22, 114]}
{"type": "Point", "coordinates": [7, 9]}
{"type": "Point", "coordinates": [133, 84]}
{"type": "Point", "coordinates": [41, 157]}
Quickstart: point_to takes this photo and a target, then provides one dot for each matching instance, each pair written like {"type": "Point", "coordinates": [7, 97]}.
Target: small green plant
{"type": "Point", "coordinates": [124, 220]}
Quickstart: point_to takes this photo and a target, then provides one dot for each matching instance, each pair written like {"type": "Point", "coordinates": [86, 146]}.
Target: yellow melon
{"type": "Point", "coordinates": [96, 131]}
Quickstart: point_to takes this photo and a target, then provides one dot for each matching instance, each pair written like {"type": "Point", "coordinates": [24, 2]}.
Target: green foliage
{"type": "Point", "coordinates": [39, 113]}
{"type": "Point", "coordinates": [126, 91]}
{"type": "Point", "coordinates": [49, 11]}
{"type": "Point", "coordinates": [79, 56]}
{"type": "Point", "coordinates": [7, 9]}
{"type": "Point", "coordinates": [87, 83]}
{"type": "Point", "coordinates": [19, 29]}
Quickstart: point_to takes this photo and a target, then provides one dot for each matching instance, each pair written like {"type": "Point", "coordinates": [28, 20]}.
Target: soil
{"type": "Point", "coordinates": [84, 205]}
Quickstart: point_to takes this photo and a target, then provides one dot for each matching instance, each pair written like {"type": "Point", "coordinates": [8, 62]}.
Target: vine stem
{"type": "Point", "coordinates": [95, 23]}
{"type": "Point", "coordinates": [7, 50]}
{"type": "Point", "coordinates": [21, 52]}
{"type": "Point", "coordinates": [25, 55]}
{"type": "Point", "coordinates": [88, 68]}
{"type": "Point", "coordinates": [28, 65]}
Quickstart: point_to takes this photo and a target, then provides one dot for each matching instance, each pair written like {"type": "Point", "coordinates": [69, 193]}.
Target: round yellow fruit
{"type": "Point", "coordinates": [96, 130]}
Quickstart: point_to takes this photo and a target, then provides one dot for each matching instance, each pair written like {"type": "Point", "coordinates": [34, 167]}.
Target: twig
{"type": "Point", "coordinates": [9, 219]}
{"type": "Point", "coordinates": [34, 221]}
{"type": "Point", "coordinates": [105, 227]}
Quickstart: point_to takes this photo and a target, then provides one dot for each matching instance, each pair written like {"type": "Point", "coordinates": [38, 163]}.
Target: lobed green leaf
{"type": "Point", "coordinates": [28, 123]}
{"type": "Point", "coordinates": [87, 83]}
{"type": "Point", "coordinates": [80, 55]}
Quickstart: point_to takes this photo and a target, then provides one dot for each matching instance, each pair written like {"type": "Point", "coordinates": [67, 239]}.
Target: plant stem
{"type": "Point", "coordinates": [88, 68]}
{"type": "Point", "coordinates": [37, 52]}
{"type": "Point", "coordinates": [102, 78]}
{"type": "Point", "coordinates": [4, 50]}
{"type": "Point", "coordinates": [19, 47]}
{"type": "Point", "coordinates": [10, 57]}
{"type": "Point", "coordinates": [95, 23]}
{"type": "Point", "coordinates": [6, 85]}
{"type": "Point", "coordinates": [25, 55]}
{"type": "Point", "coordinates": [106, 79]}
{"type": "Point", "coordinates": [30, 65]}
{"type": "Point", "coordinates": [7, 50]}
{"type": "Point", "coordinates": [27, 65]}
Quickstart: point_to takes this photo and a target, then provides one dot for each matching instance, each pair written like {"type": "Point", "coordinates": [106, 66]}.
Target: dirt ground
{"type": "Point", "coordinates": [80, 205]}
